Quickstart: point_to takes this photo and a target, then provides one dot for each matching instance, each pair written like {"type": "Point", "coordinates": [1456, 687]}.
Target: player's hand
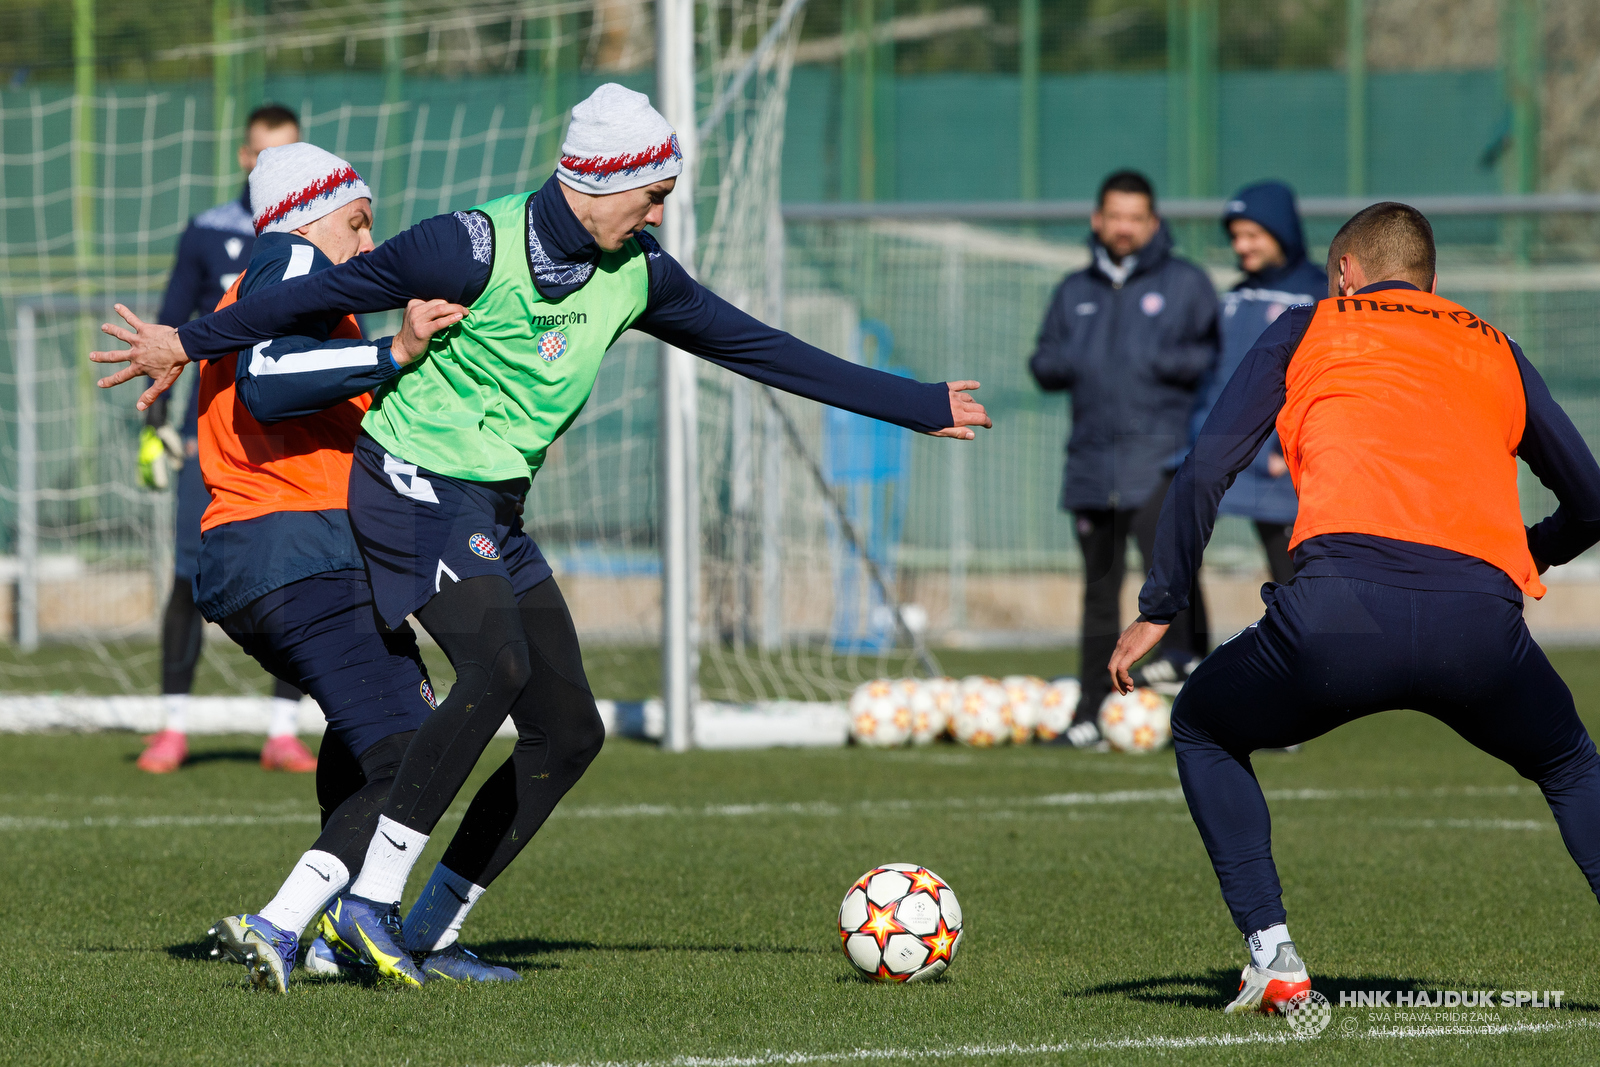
{"type": "Point", "coordinates": [152, 350]}
{"type": "Point", "coordinates": [965, 413]}
{"type": "Point", "coordinates": [1277, 466]}
{"type": "Point", "coordinates": [1134, 644]}
{"type": "Point", "coordinates": [424, 318]}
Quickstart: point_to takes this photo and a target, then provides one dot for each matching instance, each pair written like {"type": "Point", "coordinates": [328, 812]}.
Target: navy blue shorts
{"type": "Point", "coordinates": [417, 528]}
{"type": "Point", "coordinates": [322, 635]}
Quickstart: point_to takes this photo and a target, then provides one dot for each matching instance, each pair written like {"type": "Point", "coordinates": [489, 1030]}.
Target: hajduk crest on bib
{"type": "Point", "coordinates": [552, 345]}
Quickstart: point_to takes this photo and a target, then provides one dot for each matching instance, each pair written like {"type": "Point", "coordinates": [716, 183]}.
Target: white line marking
{"type": "Point", "coordinates": [139, 822]}
{"type": "Point", "coordinates": [962, 1052]}
{"type": "Point", "coordinates": [830, 810]}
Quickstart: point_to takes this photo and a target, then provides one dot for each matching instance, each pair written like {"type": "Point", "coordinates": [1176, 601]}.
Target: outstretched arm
{"type": "Point", "coordinates": [290, 377]}
{"type": "Point", "coordinates": [686, 314]}
{"type": "Point", "coordinates": [432, 260]}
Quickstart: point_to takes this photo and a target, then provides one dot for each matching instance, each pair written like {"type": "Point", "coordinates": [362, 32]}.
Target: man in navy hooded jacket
{"type": "Point", "coordinates": [1131, 336]}
{"type": "Point", "coordinates": [1264, 227]}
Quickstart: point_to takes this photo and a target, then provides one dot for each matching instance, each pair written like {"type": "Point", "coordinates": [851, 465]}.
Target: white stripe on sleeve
{"type": "Point", "coordinates": [318, 359]}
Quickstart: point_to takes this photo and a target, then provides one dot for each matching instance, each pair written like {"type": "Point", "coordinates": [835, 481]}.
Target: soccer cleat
{"type": "Point", "coordinates": [1270, 988]}
{"type": "Point", "coordinates": [371, 932]}
{"type": "Point", "coordinates": [267, 951]}
{"type": "Point", "coordinates": [164, 752]}
{"type": "Point", "coordinates": [1165, 676]}
{"type": "Point", "coordinates": [458, 965]}
{"type": "Point", "coordinates": [287, 753]}
{"type": "Point", "coordinates": [325, 960]}
{"type": "Point", "coordinates": [1085, 734]}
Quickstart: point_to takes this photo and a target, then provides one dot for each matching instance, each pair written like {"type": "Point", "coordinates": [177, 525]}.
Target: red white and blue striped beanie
{"type": "Point", "coordinates": [617, 141]}
{"type": "Point", "coordinates": [296, 184]}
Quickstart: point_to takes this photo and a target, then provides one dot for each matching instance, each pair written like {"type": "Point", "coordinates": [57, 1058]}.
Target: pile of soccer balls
{"type": "Point", "coordinates": [982, 712]}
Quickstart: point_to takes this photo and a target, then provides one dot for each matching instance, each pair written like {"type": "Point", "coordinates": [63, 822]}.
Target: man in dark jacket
{"type": "Point", "coordinates": [1131, 336]}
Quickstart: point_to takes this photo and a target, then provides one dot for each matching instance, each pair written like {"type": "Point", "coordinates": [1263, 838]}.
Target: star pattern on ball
{"type": "Point", "coordinates": [881, 923]}
{"type": "Point", "coordinates": [941, 944]}
{"type": "Point", "coordinates": [884, 974]}
{"type": "Point", "coordinates": [927, 881]}
{"type": "Point", "coordinates": [861, 883]}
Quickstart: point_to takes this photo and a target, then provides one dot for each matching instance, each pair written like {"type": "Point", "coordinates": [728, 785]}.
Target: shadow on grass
{"type": "Point", "coordinates": [524, 949]}
{"type": "Point", "coordinates": [219, 755]}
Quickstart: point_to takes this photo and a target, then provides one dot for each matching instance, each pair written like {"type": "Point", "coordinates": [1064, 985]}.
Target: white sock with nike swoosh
{"type": "Point", "coordinates": [310, 888]}
{"type": "Point", "coordinates": [434, 921]}
{"type": "Point", "coordinates": [390, 857]}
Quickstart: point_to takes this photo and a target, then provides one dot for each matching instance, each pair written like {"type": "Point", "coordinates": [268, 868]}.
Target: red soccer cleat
{"type": "Point", "coordinates": [164, 752]}
{"type": "Point", "coordinates": [1270, 989]}
{"type": "Point", "coordinates": [287, 753]}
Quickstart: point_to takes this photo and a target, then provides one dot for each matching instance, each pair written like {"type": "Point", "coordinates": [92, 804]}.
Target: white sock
{"type": "Point", "coordinates": [177, 708]}
{"type": "Point", "coordinates": [285, 718]}
{"type": "Point", "coordinates": [390, 857]}
{"type": "Point", "coordinates": [1264, 944]}
{"type": "Point", "coordinates": [309, 889]}
{"type": "Point", "coordinates": [434, 921]}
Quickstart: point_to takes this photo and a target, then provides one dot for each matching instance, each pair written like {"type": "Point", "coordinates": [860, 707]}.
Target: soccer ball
{"type": "Point", "coordinates": [1140, 722]}
{"type": "Point", "coordinates": [879, 716]}
{"type": "Point", "coordinates": [1023, 696]}
{"type": "Point", "coordinates": [1056, 705]}
{"type": "Point", "coordinates": [931, 706]}
{"type": "Point", "coordinates": [900, 923]}
{"type": "Point", "coordinates": [980, 718]}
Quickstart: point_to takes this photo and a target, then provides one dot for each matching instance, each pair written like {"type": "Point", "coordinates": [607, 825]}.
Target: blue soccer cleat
{"type": "Point", "coordinates": [370, 931]}
{"type": "Point", "coordinates": [324, 959]}
{"type": "Point", "coordinates": [458, 965]}
{"type": "Point", "coordinates": [267, 951]}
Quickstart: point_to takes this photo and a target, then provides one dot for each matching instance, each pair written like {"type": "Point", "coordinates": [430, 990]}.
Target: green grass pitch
{"type": "Point", "coordinates": [679, 909]}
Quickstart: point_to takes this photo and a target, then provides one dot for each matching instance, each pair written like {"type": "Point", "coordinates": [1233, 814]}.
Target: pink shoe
{"type": "Point", "coordinates": [164, 752]}
{"type": "Point", "coordinates": [287, 753]}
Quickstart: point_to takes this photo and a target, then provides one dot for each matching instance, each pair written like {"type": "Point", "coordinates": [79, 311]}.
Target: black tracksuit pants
{"type": "Point", "coordinates": [1330, 650]}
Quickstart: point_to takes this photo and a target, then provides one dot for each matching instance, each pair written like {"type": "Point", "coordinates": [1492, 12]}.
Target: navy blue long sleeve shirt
{"type": "Point", "coordinates": [1243, 419]}
{"type": "Point", "coordinates": [444, 257]}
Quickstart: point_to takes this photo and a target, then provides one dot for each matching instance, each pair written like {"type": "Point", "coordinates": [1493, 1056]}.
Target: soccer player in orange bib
{"type": "Point", "coordinates": [1402, 416]}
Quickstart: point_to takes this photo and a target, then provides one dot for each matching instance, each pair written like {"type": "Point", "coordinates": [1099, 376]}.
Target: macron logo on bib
{"type": "Point", "coordinates": [404, 478]}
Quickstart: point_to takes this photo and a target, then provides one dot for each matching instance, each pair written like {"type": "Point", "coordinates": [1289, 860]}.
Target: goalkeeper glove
{"type": "Point", "coordinates": [160, 453]}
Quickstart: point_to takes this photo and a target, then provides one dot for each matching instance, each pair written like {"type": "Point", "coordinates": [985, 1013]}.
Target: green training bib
{"type": "Point", "coordinates": [499, 387]}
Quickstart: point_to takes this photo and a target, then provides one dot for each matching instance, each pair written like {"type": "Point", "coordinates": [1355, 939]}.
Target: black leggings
{"type": "Point", "coordinates": [351, 792]}
{"type": "Point", "coordinates": [517, 659]}
{"type": "Point", "coordinates": [182, 633]}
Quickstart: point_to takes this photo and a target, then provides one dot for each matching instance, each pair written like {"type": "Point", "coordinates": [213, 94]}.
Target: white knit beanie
{"type": "Point", "coordinates": [296, 184]}
{"type": "Point", "coordinates": [617, 141]}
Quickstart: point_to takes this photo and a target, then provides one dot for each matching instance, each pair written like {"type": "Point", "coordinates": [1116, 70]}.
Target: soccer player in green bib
{"type": "Point", "coordinates": [544, 284]}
